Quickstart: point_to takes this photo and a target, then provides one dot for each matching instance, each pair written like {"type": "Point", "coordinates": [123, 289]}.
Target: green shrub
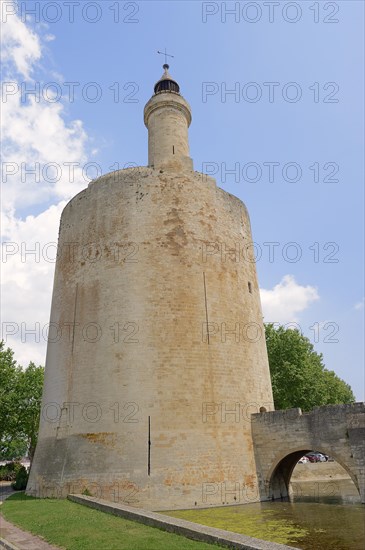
{"type": "Point", "coordinates": [21, 479]}
{"type": "Point", "coordinates": [9, 471]}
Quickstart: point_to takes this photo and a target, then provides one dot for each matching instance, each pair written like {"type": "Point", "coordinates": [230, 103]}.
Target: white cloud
{"type": "Point", "coordinates": [286, 300]}
{"type": "Point", "coordinates": [360, 305]}
{"type": "Point", "coordinates": [27, 276]}
{"type": "Point", "coordinates": [20, 46]}
{"type": "Point", "coordinates": [36, 136]}
{"type": "Point", "coordinates": [33, 132]}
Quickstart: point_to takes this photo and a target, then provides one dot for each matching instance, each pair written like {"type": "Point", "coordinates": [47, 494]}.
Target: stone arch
{"type": "Point", "coordinates": [278, 477]}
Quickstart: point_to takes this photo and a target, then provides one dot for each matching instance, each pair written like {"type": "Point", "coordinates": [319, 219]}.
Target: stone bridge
{"type": "Point", "coordinates": [282, 437]}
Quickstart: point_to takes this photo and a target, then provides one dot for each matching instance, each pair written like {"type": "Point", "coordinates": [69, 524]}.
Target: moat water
{"type": "Point", "coordinates": [321, 516]}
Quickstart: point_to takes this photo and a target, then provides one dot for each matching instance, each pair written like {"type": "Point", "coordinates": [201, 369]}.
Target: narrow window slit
{"type": "Point", "coordinates": [250, 288]}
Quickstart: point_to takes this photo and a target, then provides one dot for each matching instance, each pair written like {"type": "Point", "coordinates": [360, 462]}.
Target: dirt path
{"type": "Point", "coordinates": [13, 538]}
{"type": "Point", "coordinates": [19, 539]}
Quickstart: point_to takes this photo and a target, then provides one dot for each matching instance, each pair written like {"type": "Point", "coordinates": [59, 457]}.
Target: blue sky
{"type": "Point", "coordinates": [321, 134]}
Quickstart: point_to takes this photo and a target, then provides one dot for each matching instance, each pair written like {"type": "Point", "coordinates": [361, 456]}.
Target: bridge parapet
{"type": "Point", "coordinates": [282, 437]}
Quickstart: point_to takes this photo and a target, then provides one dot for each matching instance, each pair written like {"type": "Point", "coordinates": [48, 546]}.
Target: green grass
{"type": "Point", "coordinates": [76, 527]}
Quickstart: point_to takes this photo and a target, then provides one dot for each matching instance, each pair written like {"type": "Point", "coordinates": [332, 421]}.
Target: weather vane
{"type": "Point", "coordinates": [165, 54]}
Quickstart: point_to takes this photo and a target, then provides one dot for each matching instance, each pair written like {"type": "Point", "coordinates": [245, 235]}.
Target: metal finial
{"type": "Point", "coordinates": [166, 56]}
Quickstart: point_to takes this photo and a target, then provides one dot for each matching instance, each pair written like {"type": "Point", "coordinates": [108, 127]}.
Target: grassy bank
{"type": "Point", "coordinates": [75, 527]}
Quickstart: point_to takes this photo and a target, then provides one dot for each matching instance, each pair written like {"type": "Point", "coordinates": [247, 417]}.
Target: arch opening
{"type": "Point", "coordinates": [279, 479]}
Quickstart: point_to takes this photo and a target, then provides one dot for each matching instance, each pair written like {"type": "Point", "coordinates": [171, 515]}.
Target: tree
{"type": "Point", "coordinates": [29, 396]}
{"type": "Point", "coordinates": [20, 402]}
{"type": "Point", "coordinates": [298, 375]}
{"type": "Point", "coordinates": [13, 449]}
{"type": "Point", "coordinates": [9, 372]}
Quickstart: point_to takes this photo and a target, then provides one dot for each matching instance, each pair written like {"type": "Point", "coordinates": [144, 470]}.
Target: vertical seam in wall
{"type": "Point", "coordinates": [73, 328]}
{"type": "Point", "coordinates": [149, 447]}
{"type": "Point", "coordinates": [70, 374]}
{"type": "Point", "coordinates": [206, 306]}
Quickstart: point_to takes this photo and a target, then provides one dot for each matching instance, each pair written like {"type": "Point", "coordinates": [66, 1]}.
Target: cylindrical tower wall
{"type": "Point", "coordinates": [167, 117]}
{"type": "Point", "coordinates": [162, 356]}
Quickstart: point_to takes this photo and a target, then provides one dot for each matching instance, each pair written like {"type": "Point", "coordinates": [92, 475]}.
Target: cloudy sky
{"type": "Point", "coordinates": [276, 92]}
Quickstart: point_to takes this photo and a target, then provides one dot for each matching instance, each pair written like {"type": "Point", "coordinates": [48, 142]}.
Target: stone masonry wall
{"type": "Point", "coordinates": [281, 437]}
{"type": "Point", "coordinates": [158, 349]}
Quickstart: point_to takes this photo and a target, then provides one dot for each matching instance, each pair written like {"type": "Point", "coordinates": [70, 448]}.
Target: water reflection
{"type": "Point", "coordinates": [328, 526]}
{"type": "Point", "coordinates": [339, 491]}
{"type": "Point", "coordinates": [321, 516]}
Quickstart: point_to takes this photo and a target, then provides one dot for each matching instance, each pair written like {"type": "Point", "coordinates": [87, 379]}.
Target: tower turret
{"type": "Point", "coordinates": [167, 115]}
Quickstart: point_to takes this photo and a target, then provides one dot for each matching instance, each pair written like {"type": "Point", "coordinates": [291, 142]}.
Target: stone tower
{"type": "Point", "coordinates": [156, 355]}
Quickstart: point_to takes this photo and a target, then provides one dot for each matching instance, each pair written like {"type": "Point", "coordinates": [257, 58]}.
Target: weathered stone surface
{"type": "Point", "coordinates": [134, 287]}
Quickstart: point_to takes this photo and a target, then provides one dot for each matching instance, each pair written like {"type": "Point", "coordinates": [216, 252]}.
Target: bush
{"type": "Point", "coordinates": [9, 471]}
{"type": "Point", "coordinates": [21, 479]}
